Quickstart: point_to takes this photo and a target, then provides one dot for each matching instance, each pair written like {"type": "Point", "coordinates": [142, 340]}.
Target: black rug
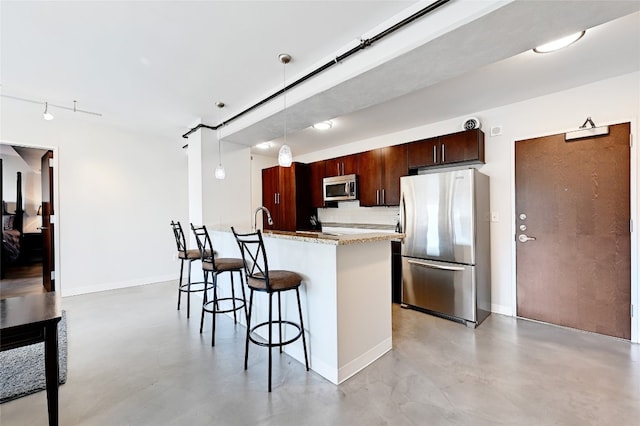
{"type": "Point", "coordinates": [22, 369]}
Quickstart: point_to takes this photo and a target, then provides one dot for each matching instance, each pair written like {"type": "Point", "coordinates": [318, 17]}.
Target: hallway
{"type": "Point", "coordinates": [135, 360]}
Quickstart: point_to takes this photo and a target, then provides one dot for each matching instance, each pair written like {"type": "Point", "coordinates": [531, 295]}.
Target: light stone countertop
{"type": "Point", "coordinates": [322, 238]}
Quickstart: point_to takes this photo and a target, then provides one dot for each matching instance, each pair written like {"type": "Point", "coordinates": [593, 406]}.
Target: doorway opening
{"type": "Point", "coordinates": [27, 243]}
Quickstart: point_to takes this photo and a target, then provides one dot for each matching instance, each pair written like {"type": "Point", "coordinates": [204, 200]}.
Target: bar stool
{"type": "Point", "coordinates": [186, 255]}
{"type": "Point", "coordinates": [260, 278]}
{"type": "Point", "coordinates": [216, 266]}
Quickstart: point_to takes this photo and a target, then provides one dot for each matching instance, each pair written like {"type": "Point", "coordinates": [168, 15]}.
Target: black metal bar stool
{"type": "Point", "coordinates": [260, 278]}
{"type": "Point", "coordinates": [216, 266]}
{"type": "Point", "coordinates": [187, 255]}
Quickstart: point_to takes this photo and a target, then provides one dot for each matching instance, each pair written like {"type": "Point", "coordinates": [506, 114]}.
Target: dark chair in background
{"type": "Point", "coordinates": [216, 266]}
{"type": "Point", "coordinates": [186, 255]}
{"type": "Point", "coordinates": [260, 278]}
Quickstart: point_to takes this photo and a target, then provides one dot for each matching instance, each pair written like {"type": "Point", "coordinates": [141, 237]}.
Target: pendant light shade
{"type": "Point", "coordinates": [284, 155]}
{"type": "Point", "coordinates": [220, 173]}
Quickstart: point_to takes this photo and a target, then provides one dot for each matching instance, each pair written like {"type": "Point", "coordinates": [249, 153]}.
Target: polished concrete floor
{"type": "Point", "coordinates": [135, 360]}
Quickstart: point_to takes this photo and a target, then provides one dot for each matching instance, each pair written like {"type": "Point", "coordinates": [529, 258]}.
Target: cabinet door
{"type": "Point", "coordinates": [317, 174]}
{"type": "Point", "coordinates": [270, 179]}
{"type": "Point", "coordinates": [350, 164]}
{"type": "Point", "coordinates": [287, 198]}
{"type": "Point", "coordinates": [333, 166]}
{"type": "Point", "coordinates": [394, 165]}
{"type": "Point", "coordinates": [346, 165]}
{"type": "Point", "coordinates": [370, 179]}
{"type": "Point", "coordinates": [423, 153]}
{"type": "Point", "coordinates": [467, 145]}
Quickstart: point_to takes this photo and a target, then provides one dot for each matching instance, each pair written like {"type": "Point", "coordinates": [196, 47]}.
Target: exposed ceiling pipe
{"type": "Point", "coordinates": [363, 45]}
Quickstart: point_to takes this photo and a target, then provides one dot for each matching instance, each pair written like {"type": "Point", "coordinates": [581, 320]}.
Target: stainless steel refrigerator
{"type": "Point", "coordinates": [446, 263]}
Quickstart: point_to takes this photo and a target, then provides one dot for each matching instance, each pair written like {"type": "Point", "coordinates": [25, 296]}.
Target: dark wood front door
{"type": "Point", "coordinates": [574, 199]}
{"type": "Point", "coordinates": [48, 258]}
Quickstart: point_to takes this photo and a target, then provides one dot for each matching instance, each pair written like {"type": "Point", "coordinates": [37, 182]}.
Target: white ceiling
{"type": "Point", "coordinates": [159, 67]}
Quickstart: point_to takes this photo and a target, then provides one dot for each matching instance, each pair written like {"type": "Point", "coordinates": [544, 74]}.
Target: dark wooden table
{"type": "Point", "coordinates": [32, 319]}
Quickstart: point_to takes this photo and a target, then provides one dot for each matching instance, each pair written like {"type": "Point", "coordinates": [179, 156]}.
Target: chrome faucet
{"type": "Point", "coordinates": [255, 217]}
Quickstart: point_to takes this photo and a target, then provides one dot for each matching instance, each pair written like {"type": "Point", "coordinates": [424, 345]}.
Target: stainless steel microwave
{"type": "Point", "coordinates": [340, 188]}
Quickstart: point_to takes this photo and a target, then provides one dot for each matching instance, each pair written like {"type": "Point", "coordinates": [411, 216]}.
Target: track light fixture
{"type": "Point", "coordinates": [284, 155]}
{"type": "Point", "coordinates": [47, 115]}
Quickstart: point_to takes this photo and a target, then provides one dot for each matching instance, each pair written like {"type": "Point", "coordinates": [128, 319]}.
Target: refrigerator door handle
{"type": "Point", "coordinates": [431, 265]}
{"type": "Point", "coordinates": [403, 212]}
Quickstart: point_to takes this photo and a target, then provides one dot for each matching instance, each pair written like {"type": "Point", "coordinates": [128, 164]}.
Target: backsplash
{"type": "Point", "coordinates": [351, 212]}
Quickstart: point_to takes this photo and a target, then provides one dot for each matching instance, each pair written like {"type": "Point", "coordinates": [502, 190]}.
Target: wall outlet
{"type": "Point", "coordinates": [495, 217]}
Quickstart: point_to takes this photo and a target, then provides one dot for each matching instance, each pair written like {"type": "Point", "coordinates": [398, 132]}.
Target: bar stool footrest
{"type": "Point", "coordinates": [276, 323]}
{"type": "Point", "coordinates": [212, 310]}
{"type": "Point", "coordinates": [199, 287]}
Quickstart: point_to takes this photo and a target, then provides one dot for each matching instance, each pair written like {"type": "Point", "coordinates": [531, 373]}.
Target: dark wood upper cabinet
{"type": "Point", "coordinates": [340, 166]}
{"type": "Point", "coordinates": [285, 192]}
{"type": "Point", "coordinates": [379, 175]}
{"type": "Point", "coordinates": [466, 146]}
{"type": "Point", "coordinates": [317, 173]}
{"type": "Point", "coordinates": [423, 153]}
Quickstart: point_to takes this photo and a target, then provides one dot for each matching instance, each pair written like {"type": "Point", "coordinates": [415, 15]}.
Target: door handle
{"type": "Point", "coordinates": [524, 238]}
{"type": "Point", "coordinates": [434, 266]}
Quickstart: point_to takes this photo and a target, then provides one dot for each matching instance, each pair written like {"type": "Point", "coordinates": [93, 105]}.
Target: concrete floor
{"type": "Point", "coordinates": [135, 360]}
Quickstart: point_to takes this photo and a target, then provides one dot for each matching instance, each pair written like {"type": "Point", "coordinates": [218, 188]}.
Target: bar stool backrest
{"type": "Point", "coordinates": [180, 240]}
{"type": "Point", "coordinates": [204, 245]}
{"type": "Point", "coordinates": [254, 256]}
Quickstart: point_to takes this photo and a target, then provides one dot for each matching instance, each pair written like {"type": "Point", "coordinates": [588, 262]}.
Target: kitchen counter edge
{"type": "Point", "coordinates": [321, 238]}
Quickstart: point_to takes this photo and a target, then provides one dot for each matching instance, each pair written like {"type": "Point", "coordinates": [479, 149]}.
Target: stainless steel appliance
{"type": "Point", "coordinates": [446, 252]}
{"type": "Point", "coordinates": [340, 188]}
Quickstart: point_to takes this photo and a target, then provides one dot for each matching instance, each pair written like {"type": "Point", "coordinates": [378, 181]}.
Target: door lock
{"type": "Point", "coordinates": [523, 238]}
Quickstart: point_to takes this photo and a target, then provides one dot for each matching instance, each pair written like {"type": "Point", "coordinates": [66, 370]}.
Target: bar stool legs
{"type": "Point", "coordinates": [270, 344]}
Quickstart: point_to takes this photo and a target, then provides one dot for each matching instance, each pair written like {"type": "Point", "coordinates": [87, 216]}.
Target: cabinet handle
{"type": "Point", "coordinates": [343, 168]}
{"type": "Point", "coordinates": [383, 196]}
{"type": "Point", "coordinates": [443, 153]}
{"type": "Point", "coordinates": [435, 158]}
{"type": "Point", "coordinates": [275, 198]}
{"type": "Point", "coordinates": [377, 196]}
{"type": "Point", "coordinates": [338, 168]}
{"type": "Point", "coordinates": [278, 198]}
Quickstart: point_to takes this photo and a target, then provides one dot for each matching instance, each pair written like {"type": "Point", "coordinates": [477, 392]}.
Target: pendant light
{"type": "Point", "coordinates": [284, 155]}
{"type": "Point", "coordinates": [220, 173]}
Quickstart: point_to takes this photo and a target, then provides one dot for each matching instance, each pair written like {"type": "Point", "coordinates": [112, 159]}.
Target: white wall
{"type": "Point", "coordinates": [117, 193]}
{"type": "Point", "coordinates": [607, 102]}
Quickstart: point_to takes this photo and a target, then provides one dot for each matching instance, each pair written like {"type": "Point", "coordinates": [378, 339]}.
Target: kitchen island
{"type": "Point", "coordinates": [346, 295]}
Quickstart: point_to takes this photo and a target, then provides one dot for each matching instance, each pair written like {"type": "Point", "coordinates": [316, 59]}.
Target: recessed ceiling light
{"type": "Point", "coordinates": [264, 145]}
{"type": "Point", "coordinates": [323, 125]}
{"type": "Point", "coordinates": [560, 43]}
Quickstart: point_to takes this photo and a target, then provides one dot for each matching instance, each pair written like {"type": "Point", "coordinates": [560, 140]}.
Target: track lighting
{"type": "Point", "coordinates": [284, 155]}
{"type": "Point", "coordinates": [47, 115]}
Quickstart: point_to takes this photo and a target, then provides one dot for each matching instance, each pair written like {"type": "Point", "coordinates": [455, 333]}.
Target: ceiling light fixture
{"type": "Point", "coordinates": [220, 172]}
{"type": "Point", "coordinates": [285, 157]}
{"type": "Point", "coordinates": [323, 125]}
{"type": "Point", "coordinates": [264, 145]}
{"type": "Point", "coordinates": [559, 43]}
{"type": "Point", "coordinates": [47, 115]}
